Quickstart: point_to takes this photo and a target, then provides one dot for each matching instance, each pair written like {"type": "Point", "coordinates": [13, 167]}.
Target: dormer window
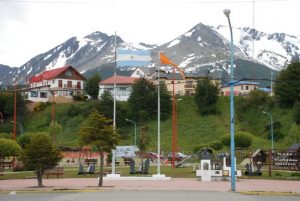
{"type": "Point", "coordinates": [68, 73]}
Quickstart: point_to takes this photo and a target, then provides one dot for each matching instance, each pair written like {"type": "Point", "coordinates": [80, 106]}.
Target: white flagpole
{"type": "Point", "coordinates": [158, 115]}
{"type": "Point", "coordinates": [113, 171]}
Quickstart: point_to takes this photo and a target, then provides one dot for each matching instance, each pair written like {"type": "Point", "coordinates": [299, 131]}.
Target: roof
{"type": "Point", "coordinates": [196, 75]}
{"type": "Point", "coordinates": [148, 70]}
{"type": "Point", "coordinates": [170, 76]}
{"type": "Point", "coordinates": [265, 89]}
{"type": "Point", "coordinates": [50, 74]}
{"type": "Point", "coordinates": [119, 80]}
{"type": "Point", "coordinates": [238, 83]}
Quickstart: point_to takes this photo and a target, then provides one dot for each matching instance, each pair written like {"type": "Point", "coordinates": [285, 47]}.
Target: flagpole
{"type": "Point", "coordinates": [158, 115]}
{"type": "Point", "coordinates": [113, 171]}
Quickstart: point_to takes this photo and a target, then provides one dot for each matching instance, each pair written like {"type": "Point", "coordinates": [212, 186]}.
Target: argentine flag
{"type": "Point", "coordinates": [133, 57]}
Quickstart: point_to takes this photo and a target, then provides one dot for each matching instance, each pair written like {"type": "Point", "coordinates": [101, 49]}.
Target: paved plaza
{"type": "Point", "coordinates": [175, 184]}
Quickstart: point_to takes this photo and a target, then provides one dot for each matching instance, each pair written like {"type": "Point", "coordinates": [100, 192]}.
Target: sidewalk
{"type": "Point", "coordinates": [242, 185]}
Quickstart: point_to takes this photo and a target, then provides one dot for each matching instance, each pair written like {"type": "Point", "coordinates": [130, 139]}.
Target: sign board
{"type": "Point", "coordinates": [126, 151]}
{"type": "Point", "coordinates": [286, 160]}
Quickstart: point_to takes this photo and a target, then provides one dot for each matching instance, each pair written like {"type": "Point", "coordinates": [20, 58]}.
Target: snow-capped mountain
{"type": "Point", "coordinates": [203, 48]}
{"type": "Point", "coordinates": [274, 50]}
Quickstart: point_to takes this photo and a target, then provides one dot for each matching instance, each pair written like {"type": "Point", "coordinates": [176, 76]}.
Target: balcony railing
{"type": "Point", "coordinates": [71, 86]}
{"type": "Point", "coordinates": [190, 86]}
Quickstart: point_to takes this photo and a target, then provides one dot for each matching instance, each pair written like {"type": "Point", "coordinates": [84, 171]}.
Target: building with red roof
{"type": "Point", "coordinates": [123, 88]}
{"type": "Point", "coordinates": [63, 83]}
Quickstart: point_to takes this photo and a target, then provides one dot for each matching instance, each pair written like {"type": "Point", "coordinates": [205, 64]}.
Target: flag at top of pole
{"type": "Point", "coordinates": [164, 60]}
{"type": "Point", "coordinates": [133, 57]}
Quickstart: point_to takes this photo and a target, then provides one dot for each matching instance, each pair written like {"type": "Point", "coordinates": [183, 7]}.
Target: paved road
{"type": "Point", "coordinates": [116, 195]}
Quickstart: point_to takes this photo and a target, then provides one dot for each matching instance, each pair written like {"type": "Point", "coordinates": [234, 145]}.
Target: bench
{"type": "Point", "coordinates": [55, 171]}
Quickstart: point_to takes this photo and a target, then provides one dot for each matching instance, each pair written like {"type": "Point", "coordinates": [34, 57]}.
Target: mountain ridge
{"type": "Point", "coordinates": [201, 48]}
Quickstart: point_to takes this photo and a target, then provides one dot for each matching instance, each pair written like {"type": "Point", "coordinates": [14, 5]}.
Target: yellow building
{"type": "Point", "coordinates": [240, 88]}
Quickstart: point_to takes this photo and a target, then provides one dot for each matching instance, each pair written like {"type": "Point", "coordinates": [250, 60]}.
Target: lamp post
{"type": "Point", "coordinates": [21, 126]}
{"type": "Point", "coordinates": [134, 129]}
{"type": "Point", "coordinates": [232, 145]}
{"type": "Point", "coordinates": [272, 133]}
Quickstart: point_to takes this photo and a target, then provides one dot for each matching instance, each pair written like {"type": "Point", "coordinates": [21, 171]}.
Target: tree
{"type": "Point", "coordinates": [296, 112]}
{"type": "Point", "coordinates": [40, 154]}
{"type": "Point", "coordinates": [206, 96]}
{"type": "Point", "coordinates": [92, 86]}
{"type": "Point", "coordinates": [8, 148]}
{"type": "Point", "coordinates": [98, 131]}
{"type": "Point", "coordinates": [143, 101]}
{"type": "Point", "coordinates": [287, 84]}
{"type": "Point", "coordinates": [293, 135]}
{"type": "Point", "coordinates": [107, 104]}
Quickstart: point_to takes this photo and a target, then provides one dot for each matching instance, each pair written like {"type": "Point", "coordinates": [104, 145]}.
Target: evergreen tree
{"type": "Point", "coordinates": [98, 131]}
{"type": "Point", "coordinates": [107, 104]}
{"type": "Point", "coordinates": [287, 84]}
{"type": "Point", "coordinates": [206, 96]}
{"type": "Point", "coordinates": [92, 86]}
{"type": "Point", "coordinates": [143, 101]}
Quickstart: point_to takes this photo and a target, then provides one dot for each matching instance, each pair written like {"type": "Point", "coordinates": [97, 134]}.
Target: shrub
{"type": "Point", "coordinates": [80, 97]}
{"type": "Point", "coordinates": [199, 147]}
{"type": "Point", "coordinates": [216, 145]}
{"type": "Point", "coordinates": [73, 111]}
{"type": "Point", "coordinates": [5, 135]}
{"type": "Point", "coordinates": [41, 106]}
{"type": "Point", "coordinates": [241, 140]}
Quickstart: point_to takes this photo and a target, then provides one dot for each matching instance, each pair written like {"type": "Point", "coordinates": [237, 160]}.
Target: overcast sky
{"type": "Point", "coordinates": [31, 27]}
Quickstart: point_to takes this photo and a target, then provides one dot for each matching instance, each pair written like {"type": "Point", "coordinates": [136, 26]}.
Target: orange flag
{"type": "Point", "coordinates": [166, 61]}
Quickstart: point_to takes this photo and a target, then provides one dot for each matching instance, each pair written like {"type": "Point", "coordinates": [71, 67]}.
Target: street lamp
{"type": "Point", "coordinates": [21, 126]}
{"type": "Point", "coordinates": [272, 134]}
{"type": "Point", "coordinates": [232, 146]}
{"type": "Point", "coordinates": [134, 129]}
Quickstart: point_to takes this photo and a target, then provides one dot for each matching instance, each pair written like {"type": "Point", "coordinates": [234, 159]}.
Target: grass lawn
{"type": "Point", "coordinates": [182, 172]}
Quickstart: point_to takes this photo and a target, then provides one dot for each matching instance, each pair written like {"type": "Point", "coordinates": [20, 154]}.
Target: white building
{"type": "Point", "coordinates": [144, 72]}
{"type": "Point", "coordinates": [62, 82]}
{"type": "Point", "coordinates": [123, 87]}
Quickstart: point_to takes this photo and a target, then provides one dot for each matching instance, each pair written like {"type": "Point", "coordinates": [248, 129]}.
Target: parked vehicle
{"type": "Point", "coordinates": [178, 155]}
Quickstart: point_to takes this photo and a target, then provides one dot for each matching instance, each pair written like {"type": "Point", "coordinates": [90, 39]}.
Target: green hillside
{"type": "Point", "coordinates": [193, 129]}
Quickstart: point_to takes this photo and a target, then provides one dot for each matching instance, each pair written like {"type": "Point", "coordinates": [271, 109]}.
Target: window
{"type": "Point", "coordinates": [69, 84]}
{"type": "Point", "coordinates": [247, 87]}
{"type": "Point", "coordinates": [123, 88]}
{"type": "Point", "coordinates": [60, 83]}
{"type": "Point", "coordinates": [43, 94]}
{"type": "Point", "coordinates": [34, 94]}
{"type": "Point", "coordinates": [138, 72]}
{"type": "Point", "coordinates": [53, 81]}
{"type": "Point", "coordinates": [68, 73]}
{"type": "Point", "coordinates": [78, 85]}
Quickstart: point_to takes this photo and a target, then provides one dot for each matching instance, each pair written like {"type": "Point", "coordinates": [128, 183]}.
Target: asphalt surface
{"type": "Point", "coordinates": [143, 196]}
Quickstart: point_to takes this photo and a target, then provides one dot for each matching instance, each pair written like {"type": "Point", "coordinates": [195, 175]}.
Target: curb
{"type": "Point", "coordinates": [269, 193]}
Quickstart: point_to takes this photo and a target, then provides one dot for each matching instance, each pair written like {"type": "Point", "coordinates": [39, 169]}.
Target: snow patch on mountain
{"type": "Point", "coordinates": [274, 50]}
{"type": "Point", "coordinates": [173, 43]}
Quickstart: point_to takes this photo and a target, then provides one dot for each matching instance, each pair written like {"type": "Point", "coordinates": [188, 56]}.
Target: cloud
{"type": "Point", "coordinates": [10, 11]}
